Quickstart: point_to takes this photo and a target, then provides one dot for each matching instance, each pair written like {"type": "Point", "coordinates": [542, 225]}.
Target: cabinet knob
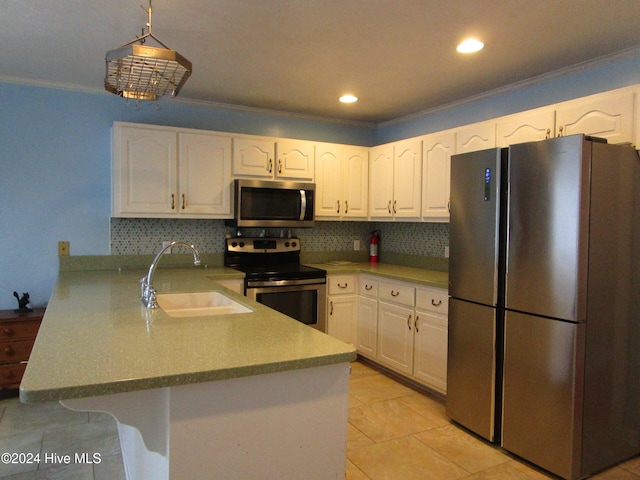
{"type": "Point", "coordinates": [9, 351]}
{"type": "Point", "coordinates": [8, 332]}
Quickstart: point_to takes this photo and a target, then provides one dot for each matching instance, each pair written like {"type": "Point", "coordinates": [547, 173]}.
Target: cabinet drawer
{"type": "Point", "coordinates": [432, 300]}
{"type": "Point", "coordinates": [11, 374]}
{"type": "Point", "coordinates": [397, 293]}
{"type": "Point", "coordinates": [369, 286]}
{"type": "Point", "coordinates": [341, 284]}
{"type": "Point", "coordinates": [23, 329]}
{"type": "Point", "coordinates": [15, 351]}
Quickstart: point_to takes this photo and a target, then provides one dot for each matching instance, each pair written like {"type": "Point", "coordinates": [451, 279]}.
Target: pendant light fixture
{"type": "Point", "coordinates": [142, 72]}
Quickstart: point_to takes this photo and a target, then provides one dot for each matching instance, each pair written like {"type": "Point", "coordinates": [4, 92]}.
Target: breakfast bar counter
{"type": "Point", "coordinates": [213, 396]}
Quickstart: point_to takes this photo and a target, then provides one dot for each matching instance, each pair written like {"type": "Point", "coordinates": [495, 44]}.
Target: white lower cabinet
{"type": "Point", "coordinates": [403, 326]}
{"type": "Point", "coordinates": [342, 307]}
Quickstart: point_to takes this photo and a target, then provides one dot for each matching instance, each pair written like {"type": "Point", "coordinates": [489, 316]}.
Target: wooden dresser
{"type": "Point", "coordinates": [17, 334]}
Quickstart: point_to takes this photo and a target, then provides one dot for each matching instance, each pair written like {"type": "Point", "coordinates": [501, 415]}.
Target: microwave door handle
{"type": "Point", "coordinates": [303, 204]}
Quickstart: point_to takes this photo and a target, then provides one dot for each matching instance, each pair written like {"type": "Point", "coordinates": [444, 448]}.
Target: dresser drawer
{"type": "Point", "coordinates": [17, 351]}
{"type": "Point", "coordinates": [397, 293]}
{"type": "Point", "coordinates": [21, 329]}
{"type": "Point", "coordinates": [341, 284]}
{"type": "Point", "coordinates": [432, 300]}
{"type": "Point", "coordinates": [369, 287]}
{"type": "Point", "coordinates": [11, 374]}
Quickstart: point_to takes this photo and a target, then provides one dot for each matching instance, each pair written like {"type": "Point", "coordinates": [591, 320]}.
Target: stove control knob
{"type": "Point", "coordinates": [286, 244]}
{"type": "Point", "coordinates": [234, 244]}
{"type": "Point", "coordinates": [241, 244]}
{"type": "Point", "coordinates": [294, 244]}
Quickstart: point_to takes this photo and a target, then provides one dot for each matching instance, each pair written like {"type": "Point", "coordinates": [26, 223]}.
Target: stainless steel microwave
{"type": "Point", "coordinates": [264, 203]}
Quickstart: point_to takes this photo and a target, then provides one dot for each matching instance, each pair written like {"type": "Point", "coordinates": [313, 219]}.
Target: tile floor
{"type": "Point", "coordinates": [395, 433]}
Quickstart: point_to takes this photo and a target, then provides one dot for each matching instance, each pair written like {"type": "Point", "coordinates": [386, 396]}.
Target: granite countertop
{"type": "Point", "coordinates": [430, 278]}
{"type": "Point", "coordinates": [96, 338]}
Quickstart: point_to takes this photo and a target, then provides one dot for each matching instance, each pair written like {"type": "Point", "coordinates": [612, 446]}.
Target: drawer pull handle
{"type": "Point", "coordinates": [409, 322]}
{"type": "Point", "coordinates": [368, 287]}
{"type": "Point", "coordinates": [394, 294]}
{"type": "Point", "coordinates": [184, 202]}
{"type": "Point", "coordinates": [345, 285]}
{"type": "Point", "coordinates": [173, 201]}
{"type": "Point", "coordinates": [330, 308]}
{"type": "Point", "coordinates": [433, 302]}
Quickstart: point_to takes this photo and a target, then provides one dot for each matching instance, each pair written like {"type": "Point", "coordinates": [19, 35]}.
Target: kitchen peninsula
{"type": "Point", "coordinates": [246, 395]}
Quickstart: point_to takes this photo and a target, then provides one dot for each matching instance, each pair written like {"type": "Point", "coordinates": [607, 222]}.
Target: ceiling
{"type": "Point", "coordinates": [397, 56]}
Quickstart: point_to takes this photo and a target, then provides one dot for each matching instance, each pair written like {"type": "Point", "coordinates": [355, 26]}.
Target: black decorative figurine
{"type": "Point", "coordinates": [22, 302]}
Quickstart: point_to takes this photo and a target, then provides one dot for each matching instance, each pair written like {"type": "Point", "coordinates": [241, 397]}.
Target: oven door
{"type": "Point", "coordinates": [305, 303]}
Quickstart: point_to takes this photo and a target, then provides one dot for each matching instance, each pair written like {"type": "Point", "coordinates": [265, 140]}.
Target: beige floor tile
{"type": "Point", "coordinates": [511, 470]}
{"type": "Point", "coordinates": [370, 389]}
{"type": "Point", "coordinates": [354, 473]}
{"type": "Point", "coordinates": [632, 466]}
{"type": "Point", "coordinates": [404, 458]}
{"type": "Point", "coordinates": [19, 417]}
{"type": "Point", "coordinates": [388, 419]}
{"type": "Point", "coordinates": [359, 369]}
{"type": "Point", "coordinates": [357, 439]}
{"type": "Point", "coordinates": [458, 446]}
{"type": "Point", "coordinates": [427, 406]}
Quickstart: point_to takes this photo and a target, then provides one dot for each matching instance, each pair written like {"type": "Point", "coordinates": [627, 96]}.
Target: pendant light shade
{"type": "Point", "coordinates": [142, 72]}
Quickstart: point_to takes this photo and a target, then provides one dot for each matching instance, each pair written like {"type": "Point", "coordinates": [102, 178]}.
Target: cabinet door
{"type": "Point", "coordinates": [296, 160]}
{"type": "Point", "coordinates": [526, 127]}
{"type": "Point", "coordinates": [144, 171]}
{"type": "Point", "coordinates": [478, 136]}
{"type": "Point", "coordinates": [341, 322]}
{"type": "Point", "coordinates": [367, 327]}
{"type": "Point", "coordinates": [381, 182]}
{"type": "Point", "coordinates": [205, 174]}
{"type": "Point", "coordinates": [395, 337]}
{"type": "Point", "coordinates": [329, 202]}
{"type": "Point", "coordinates": [436, 173]}
{"type": "Point", "coordinates": [430, 354]}
{"type": "Point", "coordinates": [253, 157]}
{"type": "Point", "coordinates": [355, 184]}
{"type": "Point", "coordinates": [607, 116]}
{"type": "Point", "coordinates": [407, 178]}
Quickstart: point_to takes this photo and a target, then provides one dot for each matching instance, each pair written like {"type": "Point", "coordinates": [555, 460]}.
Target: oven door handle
{"type": "Point", "coordinates": [284, 283]}
{"type": "Point", "coordinates": [303, 204]}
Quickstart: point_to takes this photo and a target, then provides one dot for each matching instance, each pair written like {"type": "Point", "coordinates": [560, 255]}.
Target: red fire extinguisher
{"type": "Point", "coordinates": [374, 241]}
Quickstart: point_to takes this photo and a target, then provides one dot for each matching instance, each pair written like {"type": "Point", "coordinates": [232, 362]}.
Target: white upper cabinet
{"type": "Point", "coordinates": [341, 181]}
{"type": "Point", "coordinates": [295, 160]}
{"type": "Point", "coordinates": [165, 172]}
{"type": "Point", "coordinates": [253, 157]}
{"type": "Point", "coordinates": [395, 180]}
{"type": "Point", "coordinates": [608, 115]}
{"type": "Point", "coordinates": [204, 173]}
{"type": "Point", "coordinates": [436, 175]}
{"type": "Point", "coordinates": [478, 136]}
{"type": "Point", "coordinates": [524, 127]}
{"type": "Point", "coordinates": [267, 158]}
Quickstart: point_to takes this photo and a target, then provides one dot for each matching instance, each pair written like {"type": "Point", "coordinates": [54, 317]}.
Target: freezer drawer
{"type": "Point", "coordinates": [542, 379]}
{"type": "Point", "coordinates": [471, 366]}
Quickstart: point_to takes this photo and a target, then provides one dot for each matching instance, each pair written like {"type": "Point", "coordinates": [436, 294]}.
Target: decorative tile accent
{"type": "Point", "coordinates": [139, 236]}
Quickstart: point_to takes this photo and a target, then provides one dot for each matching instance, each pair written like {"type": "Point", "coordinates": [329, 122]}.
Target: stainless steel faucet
{"type": "Point", "coordinates": [147, 292]}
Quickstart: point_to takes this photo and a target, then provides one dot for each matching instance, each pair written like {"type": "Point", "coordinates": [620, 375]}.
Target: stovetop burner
{"type": "Point", "coordinates": [268, 259]}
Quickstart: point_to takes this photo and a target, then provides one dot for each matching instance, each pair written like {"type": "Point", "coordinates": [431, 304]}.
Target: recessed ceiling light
{"type": "Point", "coordinates": [348, 98]}
{"type": "Point", "coordinates": [470, 45]}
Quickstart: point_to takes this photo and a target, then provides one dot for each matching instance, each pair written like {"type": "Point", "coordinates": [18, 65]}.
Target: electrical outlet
{"type": "Point", "coordinates": [356, 245]}
{"type": "Point", "coordinates": [63, 249]}
{"type": "Point", "coordinates": [165, 244]}
{"type": "Point", "coordinates": [446, 251]}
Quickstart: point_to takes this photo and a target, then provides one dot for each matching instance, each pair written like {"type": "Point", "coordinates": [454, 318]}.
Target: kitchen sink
{"type": "Point", "coordinates": [198, 304]}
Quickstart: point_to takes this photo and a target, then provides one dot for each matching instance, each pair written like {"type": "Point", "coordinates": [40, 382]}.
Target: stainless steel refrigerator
{"type": "Point", "coordinates": [544, 308]}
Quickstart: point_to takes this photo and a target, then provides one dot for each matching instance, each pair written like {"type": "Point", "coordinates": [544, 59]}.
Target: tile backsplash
{"type": "Point", "coordinates": [139, 236]}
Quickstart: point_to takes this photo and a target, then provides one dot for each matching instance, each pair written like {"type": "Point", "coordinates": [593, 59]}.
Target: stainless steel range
{"type": "Point", "coordinates": [275, 277]}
